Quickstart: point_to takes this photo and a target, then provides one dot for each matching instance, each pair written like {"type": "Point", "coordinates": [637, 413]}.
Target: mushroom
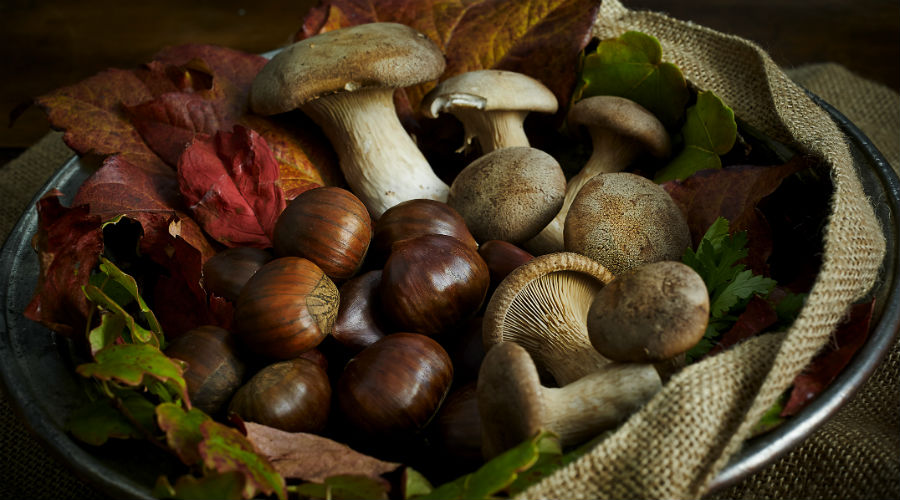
{"type": "Point", "coordinates": [652, 313]}
{"type": "Point", "coordinates": [623, 220]}
{"type": "Point", "coordinates": [491, 104]}
{"type": "Point", "coordinates": [508, 194]}
{"type": "Point", "coordinates": [543, 306]}
{"type": "Point", "coordinates": [513, 405]}
{"type": "Point", "coordinates": [345, 81]}
{"type": "Point", "coordinates": [621, 131]}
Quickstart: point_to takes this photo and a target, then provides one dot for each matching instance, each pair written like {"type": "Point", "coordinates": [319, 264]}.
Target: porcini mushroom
{"type": "Point", "coordinates": [513, 405]}
{"type": "Point", "coordinates": [621, 131]}
{"type": "Point", "coordinates": [508, 194]}
{"type": "Point", "coordinates": [650, 314]}
{"type": "Point", "coordinates": [345, 80]}
{"type": "Point", "coordinates": [492, 105]}
{"type": "Point", "coordinates": [543, 306]}
{"type": "Point", "coordinates": [623, 220]}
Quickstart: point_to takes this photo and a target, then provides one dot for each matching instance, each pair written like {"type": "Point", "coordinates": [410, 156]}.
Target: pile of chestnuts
{"type": "Point", "coordinates": [351, 328]}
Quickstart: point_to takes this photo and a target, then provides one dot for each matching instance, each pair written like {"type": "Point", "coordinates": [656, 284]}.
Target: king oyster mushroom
{"type": "Point", "coordinates": [345, 81]}
{"type": "Point", "coordinates": [621, 131]}
{"type": "Point", "coordinates": [491, 104]}
{"type": "Point", "coordinates": [543, 306]}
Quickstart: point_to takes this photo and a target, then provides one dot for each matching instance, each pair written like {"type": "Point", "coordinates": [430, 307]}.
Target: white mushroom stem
{"type": "Point", "coordinates": [598, 401]}
{"type": "Point", "coordinates": [493, 129]}
{"type": "Point", "coordinates": [611, 153]}
{"type": "Point", "coordinates": [379, 160]}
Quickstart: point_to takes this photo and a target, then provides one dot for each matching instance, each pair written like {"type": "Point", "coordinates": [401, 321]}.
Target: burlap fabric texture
{"type": "Point", "coordinates": [856, 454]}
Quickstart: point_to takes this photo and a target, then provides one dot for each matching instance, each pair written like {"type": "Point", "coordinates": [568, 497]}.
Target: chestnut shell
{"type": "Point", "coordinates": [418, 217]}
{"type": "Point", "coordinates": [214, 370]}
{"type": "Point", "coordinates": [286, 308]}
{"type": "Point", "coordinates": [293, 396]}
{"type": "Point", "coordinates": [226, 272]}
{"type": "Point", "coordinates": [396, 384]}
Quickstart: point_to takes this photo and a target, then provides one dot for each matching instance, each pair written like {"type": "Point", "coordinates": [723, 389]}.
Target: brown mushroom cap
{"type": "Point", "coordinates": [508, 384]}
{"type": "Point", "coordinates": [374, 55]}
{"type": "Point", "coordinates": [543, 306]}
{"type": "Point", "coordinates": [623, 220]}
{"type": "Point", "coordinates": [652, 313]}
{"type": "Point", "coordinates": [508, 194]}
{"type": "Point", "coordinates": [625, 119]}
{"type": "Point", "coordinates": [489, 90]}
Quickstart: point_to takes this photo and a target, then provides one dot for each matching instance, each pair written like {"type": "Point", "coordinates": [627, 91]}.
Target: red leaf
{"type": "Point", "coordinates": [825, 367]}
{"type": "Point", "coordinates": [230, 182]}
{"type": "Point", "coordinates": [68, 242]}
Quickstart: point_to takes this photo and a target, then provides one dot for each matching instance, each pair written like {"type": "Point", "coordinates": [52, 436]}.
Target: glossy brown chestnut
{"type": "Point", "coordinates": [214, 370]}
{"type": "Point", "coordinates": [226, 272]}
{"type": "Point", "coordinates": [286, 308]}
{"type": "Point", "coordinates": [458, 424]}
{"type": "Point", "coordinates": [502, 257]}
{"type": "Point", "coordinates": [417, 217]}
{"type": "Point", "coordinates": [329, 226]}
{"type": "Point", "coordinates": [293, 396]}
{"type": "Point", "coordinates": [432, 282]}
{"type": "Point", "coordinates": [396, 384]}
{"type": "Point", "coordinates": [360, 321]}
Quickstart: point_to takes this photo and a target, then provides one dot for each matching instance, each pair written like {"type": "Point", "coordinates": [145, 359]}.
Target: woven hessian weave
{"type": "Point", "coordinates": [681, 439]}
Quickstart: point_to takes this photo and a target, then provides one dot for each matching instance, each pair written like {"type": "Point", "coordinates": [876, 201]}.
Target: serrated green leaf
{"type": "Point", "coordinates": [100, 420]}
{"type": "Point", "coordinates": [224, 449]}
{"type": "Point", "coordinates": [709, 131]}
{"type": "Point", "coordinates": [631, 66]}
{"type": "Point", "coordinates": [343, 487]}
{"type": "Point", "coordinates": [130, 364]}
{"type": "Point", "coordinates": [182, 430]}
{"type": "Point", "coordinates": [743, 286]}
{"type": "Point", "coordinates": [130, 285]}
{"type": "Point", "coordinates": [107, 332]}
{"type": "Point", "coordinates": [227, 486]}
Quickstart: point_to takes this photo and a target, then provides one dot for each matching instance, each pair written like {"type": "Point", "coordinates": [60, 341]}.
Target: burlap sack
{"type": "Point", "coordinates": [681, 439]}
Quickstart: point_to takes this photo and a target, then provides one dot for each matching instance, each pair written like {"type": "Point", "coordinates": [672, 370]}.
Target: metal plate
{"type": "Point", "coordinates": [38, 373]}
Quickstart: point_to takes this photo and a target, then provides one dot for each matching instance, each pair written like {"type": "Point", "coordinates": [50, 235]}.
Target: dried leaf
{"type": "Point", "coordinates": [230, 182]}
{"type": "Point", "coordinates": [310, 457]}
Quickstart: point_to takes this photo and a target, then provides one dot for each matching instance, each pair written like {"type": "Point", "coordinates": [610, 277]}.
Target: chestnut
{"type": "Point", "coordinates": [214, 370]}
{"type": "Point", "coordinates": [432, 282]}
{"type": "Point", "coordinates": [501, 258]}
{"type": "Point", "coordinates": [360, 321]}
{"type": "Point", "coordinates": [395, 385]}
{"type": "Point", "coordinates": [292, 395]}
{"type": "Point", "coordinates": [226, 272]}
{"type": "Point", "coordinates": [457, 425]}
{"type": "Point", "coordinates": [329, 226]}
{"type": "Point", "coordinates": [286, 308]}
{"type": "Point", "coordinates": [417, 217]}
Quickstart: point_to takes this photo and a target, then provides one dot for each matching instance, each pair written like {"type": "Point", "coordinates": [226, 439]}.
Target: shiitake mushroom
{"type": "Point", "coordinates": [292, 395]}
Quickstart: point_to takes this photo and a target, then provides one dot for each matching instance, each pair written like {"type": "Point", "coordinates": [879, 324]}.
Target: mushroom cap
{"type": "Point", "coordinates": [652, 313]}
{"type": "Point", "coordinates": [510, 398]}
{"type": "Point", "coordinates": [509, 194]}
{"type": "Point", "coordinates": [623, 220]}
{"type": "Point", "coordinates": [542, 305]}
{"type": "Point", "coordinates": [374, 55]}
{"type": "Point", "coordinates": [489, 90]}
{"type": "Point", "coordinates": [625, 118]}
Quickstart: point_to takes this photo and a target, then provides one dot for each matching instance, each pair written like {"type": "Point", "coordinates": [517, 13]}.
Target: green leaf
{"type": "Point", "coordinates": [343, 487]}
{"type": "Point", "coordinates": [631, 66]}
{"type": "Point", "coordinates": [709, 131]}
{"type": "Point", "coordinates": [107, 332]}
{"type": "Point", "coordinates": [182, 430]}
{"type": "Point", "coordinates": [742, 286]}
{"type": "Point", "coordinates": [131, 364]}
{"type": "Point", "coordinates": [772, 418]}
{"type": "Point", "coordinates": [224, 449]}
{"type": "Point", "coordinates": [227, 486]}
{"type": "Point", "coordinates": [415, 484]}
{"type": "Point", "coordinates": [498, 474]}
{"type": "Point", "coordinates": [101, 419]}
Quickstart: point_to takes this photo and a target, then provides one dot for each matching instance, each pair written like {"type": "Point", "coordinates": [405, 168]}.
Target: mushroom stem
{"type": "Point", "coordinates": [381, 163]}
{"type": "Point", "coordinates": [493, 129]}
{"type": "Point", "coordinates": [598, 401]}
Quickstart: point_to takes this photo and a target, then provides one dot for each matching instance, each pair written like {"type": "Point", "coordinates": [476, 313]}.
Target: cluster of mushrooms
{"type": "Point", "coordinates": [507, 302]}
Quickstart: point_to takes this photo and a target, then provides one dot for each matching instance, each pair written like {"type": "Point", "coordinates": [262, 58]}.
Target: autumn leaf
{"type": "Point", "coordinates": [225, 486]}
{"type": "Point", "coordinates": [540, 38]}
{"type": "Point", "coordinates": [224, 449]}
{"type": "Point", "coordinates": [68, 243]}
{"type": "Point", "coordinates": [136, 365]}
{"type": "Point", "coordinates": [182, 430]}
{"type": "Point", "coordinates": [99, 420]}
{"type": "Point", "coordinates": [310, 457]}
{"type": "Point", "coordinates": [230, 182]}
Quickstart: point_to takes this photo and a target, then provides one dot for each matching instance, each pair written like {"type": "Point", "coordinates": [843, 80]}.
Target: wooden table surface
{"type": "Point", "coordinates": [48, 44]}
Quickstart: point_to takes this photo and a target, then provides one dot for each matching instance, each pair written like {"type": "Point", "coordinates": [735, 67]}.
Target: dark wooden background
{"type": "Point", "coordinates": [48, 44]}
